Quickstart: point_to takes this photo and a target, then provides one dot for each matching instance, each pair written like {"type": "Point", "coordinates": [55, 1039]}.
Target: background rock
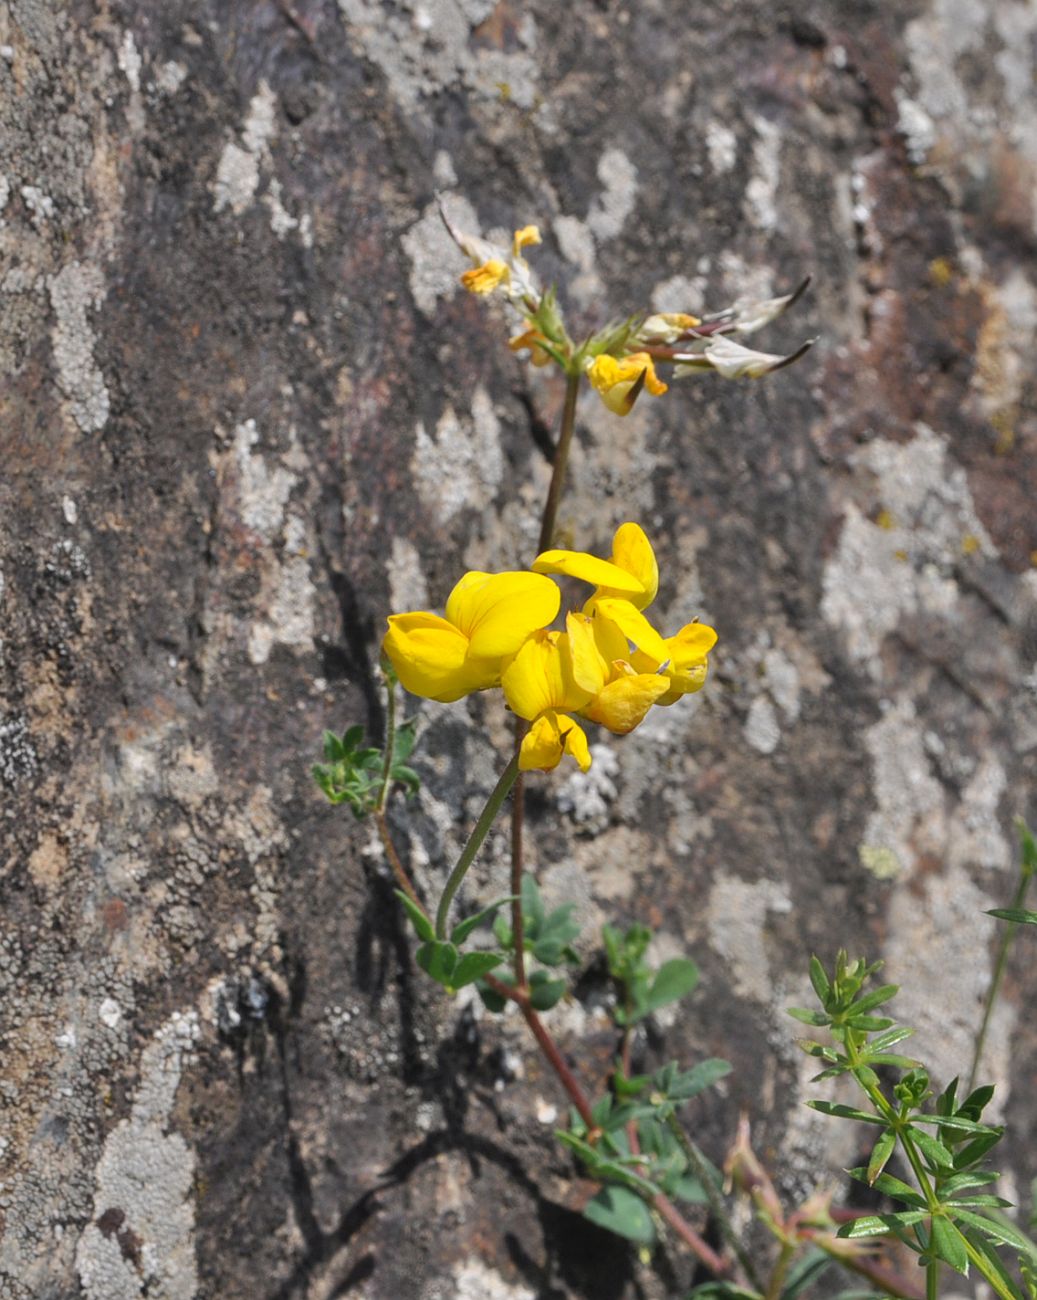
{"type": "Point", "coordinates": [247, 411]}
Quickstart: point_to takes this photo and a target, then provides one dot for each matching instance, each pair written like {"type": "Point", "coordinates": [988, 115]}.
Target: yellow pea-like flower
{"type": "Point", "coordinates": [488, 617]}
{"type": "Point", "coordinates": [487, 277]}
{"type": "Point", "coordinates": [618, 380]}
{"type": "Point", "coordinates": [686, 664]}
{"type": "Point", "coordinates": [524, 238]}
{"type": "Point", "coordinates": [631, 572]}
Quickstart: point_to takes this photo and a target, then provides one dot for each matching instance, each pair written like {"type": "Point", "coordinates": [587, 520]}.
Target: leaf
{"type": "Point", "coordinates": [438, 960]}
{"type": "Point", "coordinates": [422, 925]}
{"type": "Point", "coordinates": [804, 1272]}
{"type": "Point", "coordinates": [839, 1111]}
{"type": "Point", "coordinates": [891, 1186]}
{"type": "Point", "coordinates": [932, 1148]}
{"type": "Point", "coordinates": [689, 1188]}
{"type": "Point", "coordinates": [947, 1243]}
{"type": "Point", "coordinates": [983, 1201]}
{"type": "Point", "coordinates": [873, 999]}
{"type": "Point", "coordinates": [1019, 915]}
{"type": "Point", "coordinates": [890, 1038]}
{"type": "Point", "coordinates": [975, 1103]}
{"type": "Point", "coordinates": [808, 1017]}
{"type": "Point", "coordinates": [995, 1263]}
{"type": "Point", "coordinates": [492, 1000]}
{"type": "Point", "coordinates": [674, 980]}
{"type": "Point", "coordinates": [819, 980]}
{"type": "Point", "coordinates": [698, 1078]}
{"type": "Point", "coordinates": [869, 1023]}
{"type": "Point", "coordinates": [532, 905]}
{"type": "Point", "coordinates": [874, 1225]}
{"type": "Point", "coordinates": [963, 1182]}
{"type": "Point", "coordinates": [623, 1212]}
{"type": "Point", "coordinates": [544, 992]}
{"type": "Point", "coordinates": [891, 1058]}
{"type": "Point", "coordinates": [473, 966]}
{"type": "Point", "coordinates": [464, 928]}
{"type": "Point", "coordinates": [975, 1150]}
{"type": "Point", "coordinates": [880, 1154]}
{"type": "Point", "coordinates": [957, 1123]}
{"type": "Point", "coordinates": [999, 1231]}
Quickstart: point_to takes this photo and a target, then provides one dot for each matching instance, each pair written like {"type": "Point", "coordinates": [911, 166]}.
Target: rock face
{"type": "Point", "coordinates": [247, 411]}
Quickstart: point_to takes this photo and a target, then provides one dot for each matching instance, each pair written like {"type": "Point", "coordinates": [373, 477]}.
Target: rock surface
{"type": "Point", "coordinates": [247, 411]}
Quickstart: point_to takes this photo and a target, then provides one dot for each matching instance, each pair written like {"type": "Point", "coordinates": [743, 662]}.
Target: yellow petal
{"type": "Point", "coordinates": [524, 237]}
{"type": "Point", "coordinates": [684, 683]}
{"type": "Point", "coordinates": [497, 611]}
{"type": "Point", "coordinates": [632, 551]}
{"type": "Point", "coordinates": [431, 658]}
{"type": "Point", "coordinates": [540, 677]}
{"type": "Point", "coordinates": [588, 568]}
{"type": "Point", "coordinates": [590, 668]}
{"type": "Point", "coordinates": [486, 278]}
{"type": "Point", "coordinates": [691, 645]}
{"type": "Point", "coordinates": [634, 626]}
{"type": "Point", "coordinates": [624, 702]}
{"type": "Point", "coordinates": [548, 739]}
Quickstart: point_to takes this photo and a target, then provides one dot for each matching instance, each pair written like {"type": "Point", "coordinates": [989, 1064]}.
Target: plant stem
{"type": "Point", "coordinates": [402, 879]}
{"type": "Point", "coordinates": [518, 924]}
{"type": "Point", "coordinates": [561, 461]}
{"type": "Point", "coordinates": [669, 1212]}
{"type": "Point", "coordinates": [932, 1277]}
{"type": "Point", "coordinates": [716, 1205]}
{"type": "Point", "coordinates": [999, 973]}
{"type": "Point", "coordinates": [390, 742]}
{"type": "Point", "coordinates": [479, 833]}
{"type": "Point", "coordinates": [884, 1278]}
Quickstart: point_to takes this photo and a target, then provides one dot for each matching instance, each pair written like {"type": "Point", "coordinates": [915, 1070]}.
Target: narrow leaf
{"type": "Point", "coordinates": [947, 1243]}
{"type": "Point", "coordinates": [999, 1231]}
{"type": "Point", "coordinates": [808, 1017]}
{"type": "Point", "coordinates": [932, 1148]}
{"type": "Point", "coordinates": [464, 928]}
{"type": "Point", "coordinates": [819, 980]}
{"type": "Point", "coordinates": [674, 980]}
{"type": "Point", "coordinates": [874, 1225]}
{"type": "Point", "coordinates": [422, 925]}
{"type": "Point", "coordinates": [438, 960]}
{"type": "Point", "coordinates": [840, 1111]}
{"type": "Point", "coordinates": [880, 1154]}
{"type": "Point", "coordinates": [473, 966]}
{"type": "Point", "coordinates": [1019, 915]}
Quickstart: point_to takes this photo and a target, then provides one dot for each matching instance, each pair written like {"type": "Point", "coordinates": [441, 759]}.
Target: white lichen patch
{"type": "Point", "coordinates": [682, 292]}
{"type": "Point", "coordinates": [576, 241]}
{"type": "Point", "coordinates": [289, 598]}
{"type": "Point", "coordinates": [436, 262]}
{"type": "Point", "coordinates": [736, 916]}
{"type": "Point", "coordinates": [262, 492]}
{"type": "Point", "coordinates": [237, 173]}
{"type": "Point", "coordinates": [141, 1237]}
{"type": "Point", "coordinates": [903, 561]}
{"type": "Point", "coordinates": [618, 198]}
{"type": "Point", "coordinates": [170, 76]}
{"type": "Point", "coordinates": [909, 817]}
{"type": "Point", "coordinates": [1005, 346]}
{"type": "Point", "coordinates": [407, 586]}
{"type": "Point", "coordinates": [721, 146]}
{"type": "Point", "coordinates": [474, 1280]}
{"type": "Point", "coordinates": [130, 62]}
{"type": "Point", "coordinates": [938, 928]}
{"type": "Point", "coordinates": [587, 797]}
{"type": "Point", "coordinates": [761, 728]}
{"type": "Point", "coordinates": [975, 837]}
{"type": "Point", "coordinates": [462, 464]}
{"type": "Point", "coordinates": [77, 289]}
{"type": "Point", "coordinates": [762, 191]}
{"type": "Point", "coordinates": [426, 46]}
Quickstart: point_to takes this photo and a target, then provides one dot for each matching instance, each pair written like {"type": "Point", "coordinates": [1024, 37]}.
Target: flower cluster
{"type": "Point", "coordinates": [620, 361]}
{"type": "Point", "coordinates": [608, 666]}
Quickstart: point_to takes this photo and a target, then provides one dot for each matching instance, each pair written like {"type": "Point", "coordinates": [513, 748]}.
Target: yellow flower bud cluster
{"type": "Point", "coordinates": [608, 666]}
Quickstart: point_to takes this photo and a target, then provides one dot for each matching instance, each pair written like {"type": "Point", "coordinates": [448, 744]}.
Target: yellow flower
{"type": "Point", "coordinates": [488, 616]}
{"type": "Point", "coordinates": [667, 326]}
{"type": "Point", "coordinates": [618, 381]}
{"type": "Point", "coordinates": [540, 685]}
{"type": "Point", "coordinates": [484, 279]}
{"type": "Point", "coordinates": [532, 339]}
{"type": "Point", "coordinates": [631, 572]}
{"type": "Point", "coordinates": [524, 238]}
{"type": "Point", "coordinates": [685, 666]}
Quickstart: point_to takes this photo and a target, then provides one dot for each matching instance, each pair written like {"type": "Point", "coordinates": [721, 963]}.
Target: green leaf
{"type": "Point", "coordinates": [890, 1038]}
{"type": "Point", "coordinates": [464, 928]}
{"type": "Point", "coordinates": [947, 1243]}
{"type": "Point", "coordinates": [623, 1212]}
{"type": "Point", "coordinates": [873, 999]}
{"type": "Point", "coordinates": [492, 1000]}
{"type": "Point", "coordinates": [932, 1148]}
{"type": "Point", "coordinates": [995, 1263]}
{"type": "Point", "coordinates": [820, 981]}
{"type": "Point", "coordinates": [422, 925]}
{"type": "Point", "coordinates": [544, 992]}
{"type": "Point", "coordinates": [473, 966]}
{"type": "Point", "coordinates": [808, 1017]}
{"type": "Point", "coordinates": [957, 1123]}
{"type": "Point", "coordinates": [438, 960]}
{"type": "Point", "coordinates": [975, 1103]}
{"type": "Point", "coordinates": [890, 1186]}
{"type": "Point", "coordinates": [688, 1188]}
{"type": "Point", "coordinates": [674, 980]}
{"type": "Point", "coordinates": [1018, 915]}
{"type": "Point", "coordinates": [701, 1076]}
{"type": "Point", "coordinates": [532, 904]}
{"type": "Point", "coordinates": [963, 1182]}
{"type": "Point", "coordinates": [804, 1272]}
{"type": "Point", "coordinates": [1029, 848]}
{"type": "Point", "coordinates": [880, 1154]}
{"type": "Point", "coordinates": [874, 1225]}
{"type": "Point", "coordinates": [983, 1201]}
{"type": "Point", "coordinates": [869, 1023]}
{"type": "Point", "coordinates": [891, 1058]}
{"type": "Point", "coordinates": [975, 1150]}
{"type": "Point", "coordinates": [840, 1111]}
{"type": "Point", "coordinates": [999, 1231]}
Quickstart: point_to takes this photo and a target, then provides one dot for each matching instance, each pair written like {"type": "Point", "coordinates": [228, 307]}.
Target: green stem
{"type": "Point", "coordinates": [561, 462]}
{"type": "Point", "coordinates": [479, 833]}
{"type": "Point", "coordinates": [999, 974]}
{"type": "Point", "coordinates": [781, 1267]}
{"type": "Point", "coordinates": [983, 1264]}
{"type": "Point", "coordinates": [932, 1278]}
{"type": "Point", "coordinates": [390, 742]}
{"type": "Point", "coordinates": [717, 1207]}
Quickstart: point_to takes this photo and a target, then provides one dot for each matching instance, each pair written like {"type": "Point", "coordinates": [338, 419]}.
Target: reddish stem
{"type": "Point", "coordinates": [402, 879]}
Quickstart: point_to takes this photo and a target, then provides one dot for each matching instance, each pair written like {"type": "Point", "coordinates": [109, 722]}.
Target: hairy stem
{"type": "Point", "coordinates": [561, 461]}
{"type": "Point", "coordinates": [518, 924]}
{"type": "Point", "coordinates": [999, 973]}
{"type": "Point", "coordinates": [475, 840]}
